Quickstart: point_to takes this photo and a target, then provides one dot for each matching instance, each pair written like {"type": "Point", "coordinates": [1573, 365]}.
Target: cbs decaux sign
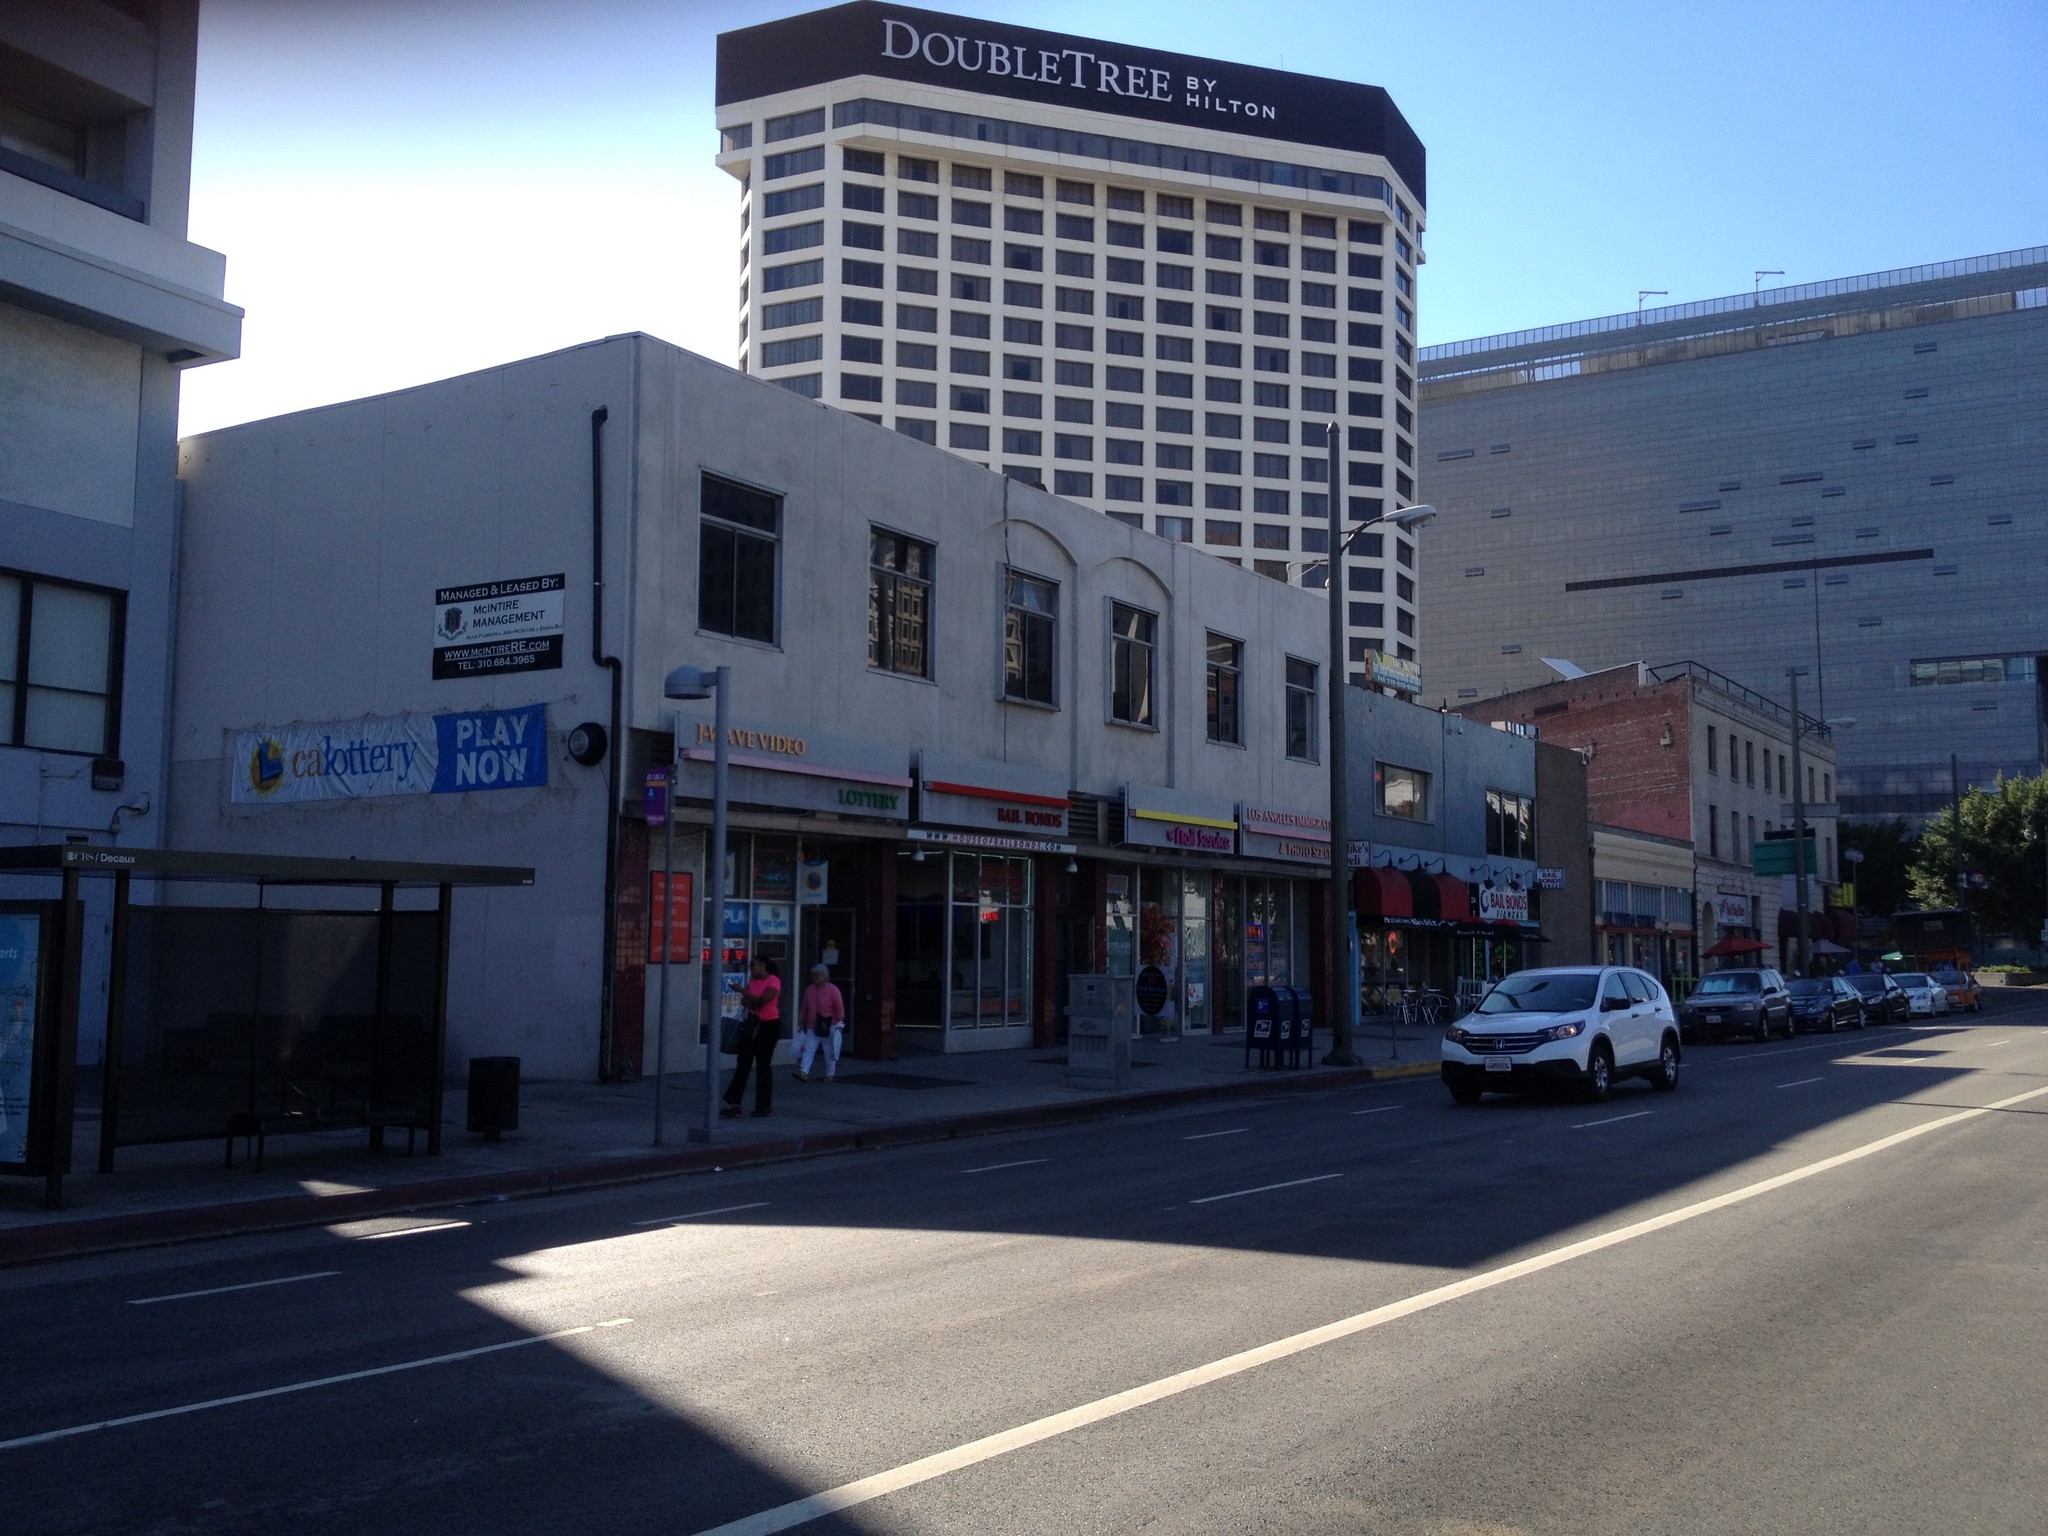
{"type": "Point", "coordinates": [407, 755]}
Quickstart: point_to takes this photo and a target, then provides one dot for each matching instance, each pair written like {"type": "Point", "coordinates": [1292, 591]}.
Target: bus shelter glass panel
{"type": "Point", "coordinates": [989, 942]}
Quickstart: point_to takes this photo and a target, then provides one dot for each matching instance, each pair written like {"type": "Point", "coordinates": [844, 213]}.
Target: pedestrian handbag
{"type": "Point", "coordinates": [735, 1036]}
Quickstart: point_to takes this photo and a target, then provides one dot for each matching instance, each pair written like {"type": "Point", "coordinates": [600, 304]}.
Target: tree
{"type": "Point", "coordinates": [2005, 840]}
{"type": "Point", "coordinates": [1882, 883]}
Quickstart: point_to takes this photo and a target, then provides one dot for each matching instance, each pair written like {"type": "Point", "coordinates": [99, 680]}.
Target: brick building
{"type": "Point", "coordinates": [1678, 757]}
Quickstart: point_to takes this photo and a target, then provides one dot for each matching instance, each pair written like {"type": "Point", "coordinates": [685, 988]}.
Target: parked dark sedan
{"type": "Point", "coordinates": [1825, 1002]}
{"type": "Point", "coordinates": [1884, 1000]}
{"type": "Point", "coordinates": [1739, 1001]}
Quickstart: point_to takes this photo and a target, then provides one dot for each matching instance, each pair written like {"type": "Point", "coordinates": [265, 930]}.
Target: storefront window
{"type": "Point", "coordinates": [1120, 924]}
{"type": "Point", "coordinates": [1194, 949]}
{"type": "Point", "coordinates": [990, 957]}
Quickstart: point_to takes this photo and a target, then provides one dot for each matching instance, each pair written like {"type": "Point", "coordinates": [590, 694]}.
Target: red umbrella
{"type": "Point", "coordinates": [1735, 946]}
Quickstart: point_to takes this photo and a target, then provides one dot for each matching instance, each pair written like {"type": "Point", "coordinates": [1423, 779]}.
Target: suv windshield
{"type": "Point", "coordinates": [1810, 986]}
{"type": "Point", "coordinates": [1541, 992]}
{"type": "Point", "coordinates": [1735, 981]}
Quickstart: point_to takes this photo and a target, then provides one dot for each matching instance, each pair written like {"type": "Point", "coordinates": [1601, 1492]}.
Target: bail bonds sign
{"type": "Point", "coordinates": [410, 755]}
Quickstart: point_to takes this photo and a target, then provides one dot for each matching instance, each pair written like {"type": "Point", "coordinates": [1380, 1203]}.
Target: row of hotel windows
{"type": "Point", "coordinates": [1742, 760]}
{"type": "Point", "coordinates": [990, 131]}
{"type": "Point", "coordinates": [1020, 293]}
{"type": "Point", "coordinates": [739, 541]}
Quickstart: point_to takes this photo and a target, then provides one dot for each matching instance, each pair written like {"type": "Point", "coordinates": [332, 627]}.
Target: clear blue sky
{"type": "Point", "coordinates": [407, 189]}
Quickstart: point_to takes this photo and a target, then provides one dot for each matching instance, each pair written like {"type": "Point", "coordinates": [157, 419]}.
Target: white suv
{"type": "Point", "coordinates": [1583, 1025]}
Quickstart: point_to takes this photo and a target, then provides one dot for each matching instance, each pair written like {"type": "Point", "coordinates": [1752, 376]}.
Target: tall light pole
{"type": "Point", "coordinates": [1648, 293]}
{"type": "Point", "coordinates": [1343, 923]}
{"type": "Point", "coordinates": [1805, 951]}
{"type": "Point", "coordinates": [697, 683]}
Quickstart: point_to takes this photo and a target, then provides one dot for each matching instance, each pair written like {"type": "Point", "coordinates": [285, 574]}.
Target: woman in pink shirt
{"type": "Point", "coordinates": [763, 1004]}
{"type": "Point", "coordinates": [822, 1018]}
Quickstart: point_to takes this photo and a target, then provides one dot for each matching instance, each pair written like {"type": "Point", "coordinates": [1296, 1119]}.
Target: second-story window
{"type": "Point", "coordinates": [899, 604]}
{"type": "Point", "coordinates": [1510, 825]}
{"type": "Point", "coordinates": [1030, 625]}
{"type": "Point", "coordinates": [60, 665]}
{"type": "Point", "coordinates": [738, 540]}
{"type": "Point", "coordinates": [1226, 666]}
{"type": "Point", "coordinates": [1133, 664]}
{"type": "Point", "coordinates": [1402, 792]}
{"type": "Point", "coordinates": [1301, 709]}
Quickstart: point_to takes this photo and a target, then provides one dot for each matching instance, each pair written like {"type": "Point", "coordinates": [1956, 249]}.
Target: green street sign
{"type": "Point", "coordinates": [1775, 857]}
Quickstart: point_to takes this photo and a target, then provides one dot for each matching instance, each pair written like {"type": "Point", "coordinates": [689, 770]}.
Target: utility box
{"type": "Point", "coordinates": [493, 1095]}
{"type": "Point", "coordinates": [1099, 1016]}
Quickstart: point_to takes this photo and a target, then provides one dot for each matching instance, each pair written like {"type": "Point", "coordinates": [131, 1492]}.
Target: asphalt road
{"type": "Point", "coordinates": [1806, 1292]}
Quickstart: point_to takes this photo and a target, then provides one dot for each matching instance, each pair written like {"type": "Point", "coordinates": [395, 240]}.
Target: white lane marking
{"type": "Point", "coordinates": [998, 1167]}
{"type": "Point", "coordinates": [1802, 1082]}
{"type": "Point", "coordinates": [302, 1386]}
{"type": "Point", "coordinates": [222, 1290]}
{"type": "Point", "coordinates": [719, 1210]}
{"type": "Point", "coordinates": [1380, 1111]}
{"type": "Point", "coordinates": [437, 1226]}
{"type": "Point", "coordinates": [1212, 1135]}
{"type": "Point", "coordinates": [867, 1489]}
{"type": "Point", "coordinates": [1801, 1050]}
{"type": "Point", "coordinates": [1612, 1119]}
{"type": "Point", "coordinates": [1987, 1044]}
{"type": "Point", "coordinates": [1289, 1184]}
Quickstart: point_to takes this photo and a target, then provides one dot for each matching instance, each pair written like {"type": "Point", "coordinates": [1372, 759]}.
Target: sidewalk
{"type": "Point", "coordinates": [584, 1135]}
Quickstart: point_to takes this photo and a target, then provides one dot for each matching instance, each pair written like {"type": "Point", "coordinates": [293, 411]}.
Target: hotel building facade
{"type": "Point", "coordinates": [1147, 282]}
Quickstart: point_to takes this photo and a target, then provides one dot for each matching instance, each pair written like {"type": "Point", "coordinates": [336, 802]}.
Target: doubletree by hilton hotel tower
{"type": "Point", "coordinates": [1146, 281]}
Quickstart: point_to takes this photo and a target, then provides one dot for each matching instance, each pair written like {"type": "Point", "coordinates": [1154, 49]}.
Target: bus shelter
{"type": "Point", "coordinates": [223, 1020]}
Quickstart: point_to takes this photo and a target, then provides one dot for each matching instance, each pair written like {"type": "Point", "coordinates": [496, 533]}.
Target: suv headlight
{"type": "Point", "coordinates": [1561, 1031]}
{"type": "Point", "coordinates": [1457, 1034]}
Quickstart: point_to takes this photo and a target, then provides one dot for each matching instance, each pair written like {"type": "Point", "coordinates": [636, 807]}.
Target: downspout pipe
{"type": "Point", "coordinates": [617, 744]}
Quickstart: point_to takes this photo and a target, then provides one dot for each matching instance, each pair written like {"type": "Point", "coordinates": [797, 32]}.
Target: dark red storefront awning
{"type": "Point", "coordinates": [1382, 893]}
{"type": "Point", "coordinates": [1410, 898]}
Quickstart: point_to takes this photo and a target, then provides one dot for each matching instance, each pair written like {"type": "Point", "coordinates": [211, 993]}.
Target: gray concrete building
{"type": "Point", "coordinates": [999, 737]}
{"type": "Point", "coordinates": [102, 301]}
{"type": "Point", "coordinates": [1845, 477]}
{"type": "Point", "coordinates": [1147, 281]}
{"type": "Point", "coordinates": [981, 739]}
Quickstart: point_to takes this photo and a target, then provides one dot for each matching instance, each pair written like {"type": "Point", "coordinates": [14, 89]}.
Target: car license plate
{"type": "Point", "coordinates": [1713, 1018]}
{"type": "Point", "coordinates": [1500, 1063]}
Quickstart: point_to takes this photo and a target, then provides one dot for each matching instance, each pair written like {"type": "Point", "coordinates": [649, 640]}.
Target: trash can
{"type": "Point", "coordinates": [1099, 1031]}
{"type": "Point", "coordinates": [493, 1095]}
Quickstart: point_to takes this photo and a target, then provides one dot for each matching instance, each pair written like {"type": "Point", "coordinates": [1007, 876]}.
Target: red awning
{"type": "Point", "coordinates": [1454, 898]}
{"type": "Point", "coordinates": [1382, 893]}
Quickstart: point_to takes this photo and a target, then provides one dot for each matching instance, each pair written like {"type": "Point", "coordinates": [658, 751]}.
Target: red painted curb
{"type": "Point", "coordinates": [145, 1229]}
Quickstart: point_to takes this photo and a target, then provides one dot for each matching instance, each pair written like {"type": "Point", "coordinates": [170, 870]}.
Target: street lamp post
{"type": "Point", "coordinates": [1343, 922]}
{"type": "Point", "coordinates": [1805, 951]}
{"type": "Point", "coordinates": [697, 683]}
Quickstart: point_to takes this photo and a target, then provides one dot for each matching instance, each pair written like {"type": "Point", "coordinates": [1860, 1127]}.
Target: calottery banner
{"type": "Point", "coordinates": [407, 755]}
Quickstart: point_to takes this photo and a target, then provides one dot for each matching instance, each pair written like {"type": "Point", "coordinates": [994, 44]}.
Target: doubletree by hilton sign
{"type": "Point", "coordinates": [966, 53]}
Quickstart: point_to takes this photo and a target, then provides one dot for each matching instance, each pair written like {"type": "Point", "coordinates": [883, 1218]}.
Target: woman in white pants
{"type": "Point", "coordinates": [821, 1024]}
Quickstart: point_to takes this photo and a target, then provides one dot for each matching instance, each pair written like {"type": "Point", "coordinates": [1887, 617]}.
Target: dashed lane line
{"type": "Point", "coordinates": [865, 1490]}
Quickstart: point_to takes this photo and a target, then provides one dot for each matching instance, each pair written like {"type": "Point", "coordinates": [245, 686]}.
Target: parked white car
{"type": "Point", "coordinates": [1923, 993]}
{"type": "Point", "coordinates": [1582, 1026]}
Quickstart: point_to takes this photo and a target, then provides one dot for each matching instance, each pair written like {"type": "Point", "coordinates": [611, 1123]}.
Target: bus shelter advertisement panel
{"type": "Point", "coordinates": [21, 936]}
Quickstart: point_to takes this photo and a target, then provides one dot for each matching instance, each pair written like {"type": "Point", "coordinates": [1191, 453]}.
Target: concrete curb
{"type": "Point", "coordinates": [196, 1223]}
